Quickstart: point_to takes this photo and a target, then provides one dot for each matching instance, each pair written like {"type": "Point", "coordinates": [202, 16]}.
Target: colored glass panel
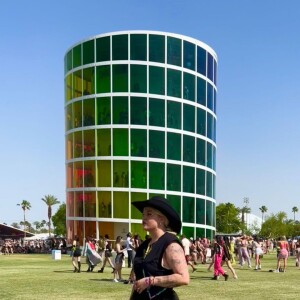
{"type": "Point", "coordinates": [173, 146]}
{"type": "Point", "coordinates": [138, 110]}
{"type": "Point", "coordinates": [156, 144]}
{"type": "Point", "coordinates": [200, 211]}
{"type": "Point", "coordinates": [209, 184]}
{"type": "Point", "coordinates": [200, 182]}
{"type": "Point", "coordinates": [210, 97]}
{"type": "Point", "coordinates": [78, 147]}
{"type": "Point", "coordinates": [103, 111]}
{"type": "Point", "coordinates": [189, 117]}
{"type": "Point", "coordinates": [188, 178]}
{"type": "Point", "coordinates": [120, 78]}
{"type": "Point", "coordinates": [77, 56]}
{"type": "Point", "coordinates": [120, 47]}
{"type": "Point", "coordinates": [174, 51]}
{"type": "Point", "coordinates": [188, 231]}
{"type": "Point", "coordinates": [174, 114]}
{"type": "Point", "coordinates": [68, 117]}
{"type": "Point", "coordinates": [210, 67]}
{"type": "Point", "coordinates": [188, 55]}
{"type": "Point", "coordinates": [104, 204]}
{"type": "Point", "coordinates": [90, 204]}
{"type": "Point", "coordinates": [157, 48]}
{"type": "Point", "coordinates": [138, 47]}
{"type": "Point", "coordinates": [189, 148]}
{"type": "Point", "coordinates": [103, 79]}
{"type": "Point", "coordinates": [121, 205]}
{"type": "Point", "coordinates": [104, 173]}
{"type": "Point", "coordinates": [88, 81]}
{"type": "Point", "coordinates": [77, 84]}
{"type": "Point", "coordinates": [78, 207]}
{"type": "Point", "coordinates": [173, 177]}
{"type": "Point", "coordinates": [210, 127]}
{"type": "Point", "coordinates": [135, 213]}
{"type": "Point", "coordinates": [209, 213]}
{"type": "Point", "coordinates": [69, 146]}
{"type": "Point", "coordinates": [201, 121]}
{"type": "Point", "coordinates": [139, 174]}
{"type": "Point", "coordinates": [89, 112]}
{"type": "Point", "coordinates": [77, 114]}
{"type": "Point", "coordinates": [68, 61]}
{"type": "Point", "coordinates": [120, 142]}
{"type": "Point", "coordinates": [174, 83]}
{"type": "Point", "coordinates": [69, 172]}
{"type": "Point", "coordinates": [68, 87]}
{"type": "Point", "coordinates": [156, 176]}
{"type": "Point", "coordinates": [138, 79]}
{"type": "Point", "coordinates": [88, 52]}
{"type": "Point", "coordinates": [188, 86]}
{"type": "Point", "coordinates": [200, 232]}
{"type": "Point", "coordinates": [201, 152]}
{"type": "Point", "coordinates": [156, 80]}
{"type": "Point", "coordinates": [70, 204]}
{"type": "Point", "coordinates": [89, 143]}
{"type": "Point", "coordinates": [120, 110]}
{"type": "Point", "coordinates": [89, 173]}
{"type": "Point", "coordinates": [103, 49]}
{"type": "Point", "coordinates": [201, 61]}
{"type": "Point", "coordinates": [138, 142]}
{"type": "Point", "coordinates": [201, 91]}
{"type": "Point", "coordinates": [103, 142]}
{"type": "Point", "coordinates": [156, 112]}
{"type": "Point", "coordinates": [175, 202]}
{"type": "Point", "coordinates": [210, 155]}
{"type": "Point", "coordinates": [121, 173]}
{"type": "Point", "coordinates": [188, 209]}
{"type": "Point", "coordinates": [78, 174]}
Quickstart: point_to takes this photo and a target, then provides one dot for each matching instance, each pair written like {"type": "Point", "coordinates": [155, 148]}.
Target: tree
{"type": "Point", "coordinates": [244, 210]}
{"type": "Point", "coordinates": [295, 210]}
{"type": "Point", "coordinates": [59, 220]}
{"type": "Point", "coordinates": [50, 200]}
{"type": "Point", "coordinates": [263, 210]}
{"type": "Point", "coordinates": [276, 226]}
{"type": "Point", "coordinates": [25, 205]}
{"type": "Point", "coordinates": [227, 218]}
{"type": "Point", "coordinates": [15, 224]}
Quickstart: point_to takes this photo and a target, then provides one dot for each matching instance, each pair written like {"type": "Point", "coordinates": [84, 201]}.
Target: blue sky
{"type": "Point", "coordinates": [258, 136]}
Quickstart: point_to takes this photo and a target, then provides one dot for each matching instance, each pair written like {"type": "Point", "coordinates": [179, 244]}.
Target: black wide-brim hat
{"type": "Point", "coordinates": [164, 207]}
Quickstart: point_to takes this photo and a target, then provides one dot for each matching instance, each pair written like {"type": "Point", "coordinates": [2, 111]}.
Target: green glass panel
{"type": "Point", "coordinates": [104, 204]}
{"type": "Point", "coordinates": [210, 126]}
{"type": "Point", "coordinates": [188, 209]}
{"type": "Point", "coordinates": [174, 51]}
{"type": "Point", "coordinates": [174, 83]}
{"type": "Point", "coordinates": [188, 231]}
{"type": "Point", "coordinates": [200, 233]}
{"type": "Point", "coordinates": [214, 186]}
{"type": "Point", "coordinates": [89, 143]}
{"type": "Point", "coordinates": [138, 47]}
{"type": "Point", "coordinates": [89, 173]}
{"type": "Point", "coordinates": [88, 52]}
{"type": "Point", "coordinates": [175, 202]}
{"type": "Point", "coordinates": [156, 176]}
{"type": "Point", "coordinates": [156, 112]}
{"type": "Point", "coordinates": [157, 48]}
{"type": "Point", "coordinates": [121, 205]}
{"type": "Point", "coordinates": [120, 47]}
{"type": "Point", "coordinates": [210, 66]}
{"type": "Point", "coordinates": [121, 177]}
{"type": "Point", "coordinates": [200, 212]}
{"type": "Point", "coordinates": [138, 142]}
{"type": "Point", "coordinates": [120, 78]}
{"type": "Point", "coordinates": [103, 111]}
{"type": "Point", "coordinates": [210, 95]}
{"type": "Point", "coordinates": [209, 213]}
{"type": "Point", "coordinates": [200, 182]}
{"type": "Point", "coordinates": [156, 144]}
{"type": "Point", "coordinates": [138, 230]}
{"type": "Point", "coordinates": [201, 61]}
{"type": "Point", "coordinates": [156, 80]}
{"type": "Point", "coordinates": [69, 61]}
{"type": "Point", "coordinates": [78, 147]}
{"type": "Point", "coordinates": [139, 174]}
{"type": "Point", "coordinates": [68, 117]}
{"type": "Point", "coordinates": [103, 49]}
{"type": "Point", "coordinates": [77, 84]}
{"type": "Point", "coordinates": [88, 81]}
{"type": "Point", "coordinates": [209, 184]}
{"type": "Point", "coordinates": [104, 173]}
{"type": "Point", "coordinates": [189, 55]}
{"type": "Point", "coordinates": [90, 204]}
{"type": "Point", "coordinates": [138, 110]}
{"type": "Point", "coordinates": [209, 157]}
{"type": "Point", "coordinates": [77, 114]}
{"type": "Point", "coordinates": [120, 110]}
{"type": "Point", "coordinates": [103, 79]}
{"type": "Point", "coordinates": [210, 234]}
{"type": "Point", "coordinates": [189, 117]}
{"type": "Point", "coordinates": [120, 142]}
{"type": "Point", "coordinates": [69, 87]}
{"type": "Point", "coordinates": [135, 213]}
{"type": "Point", "coordinates": [77, 56]}
{"type": "Point", "coordinates": [201, 121]}
{"type": "Point", "coordinates": [138, 79]}
{"type": "Point", "coordinates": [214, 154]}
{"type": "Point", "coordinates": [174, 114]}
{"type": "Point", "coordinates": [201, 152]}
{"type": "Point", "coordinates": [201, 91]}
{"type": "Point", "coordinates": [188, 177]}
{"type": "Point", "coordinates": [189, 86]}
{"type": "Point", "coordinates": [174, 146]}
{"type": "Point", "coordinates": [89, 112]}
{"type": "Point", "coordinates": [173, 177]}
{"type": "Point", "coordinates": [103, 142]}
{"type": "Point", "coordinates": [189, 148]}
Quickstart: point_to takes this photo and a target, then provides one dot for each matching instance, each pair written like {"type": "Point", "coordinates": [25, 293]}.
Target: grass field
{"type": "Point", "coordinates": [35, 276]}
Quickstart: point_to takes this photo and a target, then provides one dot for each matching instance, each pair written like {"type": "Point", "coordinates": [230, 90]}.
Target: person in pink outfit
{"type": "Point", "coordinates": [218, 255]}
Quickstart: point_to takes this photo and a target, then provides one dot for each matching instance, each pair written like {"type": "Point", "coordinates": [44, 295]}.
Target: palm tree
{"type": "Point", "coordinates": [294, 210]}
{"type": "Point", "coordinates": [25, 205]}
{"type": "Point", "coordinates": [263, 210]}
{"type": "Point", "coordinates": [244, 210]}
{"type": "Point", "coordinates": [50, 200]}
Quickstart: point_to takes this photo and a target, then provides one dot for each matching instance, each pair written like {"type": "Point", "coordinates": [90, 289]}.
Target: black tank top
{"type": "Point", "coordinates": [148, 263]}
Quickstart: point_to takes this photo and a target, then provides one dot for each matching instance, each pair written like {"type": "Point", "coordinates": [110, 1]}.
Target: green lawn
{"type": "Point", "coordinates": [35, 276]}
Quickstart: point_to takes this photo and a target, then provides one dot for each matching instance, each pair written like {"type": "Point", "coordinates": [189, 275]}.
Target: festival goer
{"type": "Point", "coordinates": [76, 254]}
{"type": "Point", "coordinates": [226, 259]}
{"type": "Point", "coordinates": [159, 264]}
{"type": "Point", "coordinates": [218, 256]}
{"type": "Point", "coordinates": [129, 243]}
{"type": "Point", "coordinates": [89, 245]}
{"type": "Point", "coordinates": [186, 243]}
{"type": "Point", "coordinates": [107, 254]}
{"type": "Point", "coordinates": [257, 248]}
{"type": "Point", "coordinates": [118, 260]}
{"type": "Point", "coordinates": [297, 251]}
{"type": "Point", "coordinates": [283, 254]}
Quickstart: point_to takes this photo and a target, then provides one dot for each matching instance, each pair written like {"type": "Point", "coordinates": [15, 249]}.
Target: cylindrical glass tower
{"type": "Point", "coordinates": [140, 112]}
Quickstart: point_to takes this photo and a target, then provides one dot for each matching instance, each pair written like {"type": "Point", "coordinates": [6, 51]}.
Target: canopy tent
{"type": "Point", "coordinates": [9, 232]}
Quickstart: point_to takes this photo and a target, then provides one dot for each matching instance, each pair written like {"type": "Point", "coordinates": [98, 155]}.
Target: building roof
{"type": "Point", "coordinates": [8, 232]}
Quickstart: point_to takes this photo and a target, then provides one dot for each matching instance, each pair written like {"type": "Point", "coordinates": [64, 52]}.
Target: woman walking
{"type": "Point", "coordinates": [283, 254]}
{"type": "Point", "coordinates": [118, 260]}
{"type": "Point", "coordinates": [76, 254]}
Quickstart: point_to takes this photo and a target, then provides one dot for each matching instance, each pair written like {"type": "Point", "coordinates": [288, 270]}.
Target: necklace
{"type": "Point", "coordinates": [148, 250]}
